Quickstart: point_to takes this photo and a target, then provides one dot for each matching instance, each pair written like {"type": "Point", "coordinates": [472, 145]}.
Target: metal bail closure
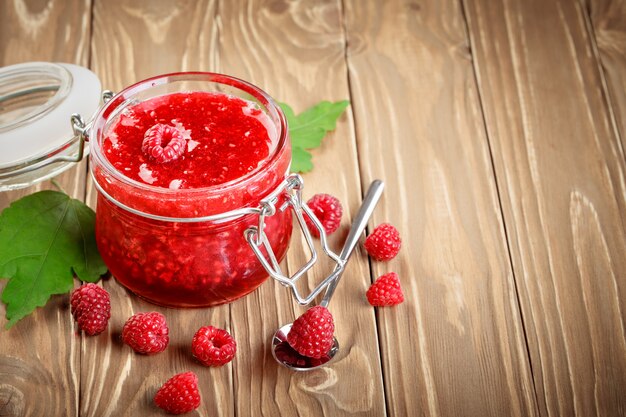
{"type": "Point", "coordinates": [291, 189]}
{"type": "Point", "coordinates": [81, 132]}
{"type": "Point", "coordinates": [36, 101]}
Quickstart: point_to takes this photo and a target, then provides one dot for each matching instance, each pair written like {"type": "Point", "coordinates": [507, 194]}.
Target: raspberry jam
{"type": "Point", "coordinates": [226, 137]}
{"type": "Point", "coordinates": [153, 203]}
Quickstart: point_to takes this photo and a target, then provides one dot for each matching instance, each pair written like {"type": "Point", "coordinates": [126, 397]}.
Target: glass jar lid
{"type": "Point", "coordinates": [37, 100]}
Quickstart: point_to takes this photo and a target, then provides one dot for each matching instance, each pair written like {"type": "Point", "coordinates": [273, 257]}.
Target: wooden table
{"type": "Point", "coordinates": [498, 126]}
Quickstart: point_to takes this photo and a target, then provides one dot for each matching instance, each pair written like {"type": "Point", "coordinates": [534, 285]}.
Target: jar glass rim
{"type": "Point", "coordinates": [101, 117]}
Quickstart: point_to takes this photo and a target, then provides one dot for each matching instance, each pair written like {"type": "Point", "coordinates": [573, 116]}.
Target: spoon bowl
{"type": "Point", "coordinates": [289, 357]}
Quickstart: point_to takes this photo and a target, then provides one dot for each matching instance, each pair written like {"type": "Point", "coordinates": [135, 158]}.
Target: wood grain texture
{"type": "Point", "coordinates": [137, 40]}
{"type": "Point", "coordinates": [133, 41]}
{"type": "Point", "coordinates": [295, 51]}
{"type": "Point", "coordinates": [560, 170]}
{"type": "Point", "coordinates": [39, 356]}
{"type": "Point", "coordinates": [496, 126]}
{"type": "Point", "coordinates": [46, 30]}
{"type": "Point", "coordinates": [456, 346]}
{"type": "Point", "coordinates": [607, 20]}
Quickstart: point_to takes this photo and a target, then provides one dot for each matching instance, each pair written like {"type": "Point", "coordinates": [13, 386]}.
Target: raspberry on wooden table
{"type": "Point", "coordinates": [385, 291]}
{"type": "Point", "coordinates": [91, 308]}
{"type": "Point", "coordinates": [163, 143]}
{"type": "Point", "coordinates": [213, 346]}
{"type": "Point", "coordinates": [179, 394]}
{"type": "Point", "coordinates": [384, 243]}
{"type": "Point", "coordinates": [328, 211]}
{"type": "Point", "coordinates": [146, 333]}
{"type": "Point", "coordinates": [312, 333]}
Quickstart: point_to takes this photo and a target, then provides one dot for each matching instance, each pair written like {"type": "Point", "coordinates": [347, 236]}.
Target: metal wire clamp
{"type": "Point", "coordinates": [291, 190]}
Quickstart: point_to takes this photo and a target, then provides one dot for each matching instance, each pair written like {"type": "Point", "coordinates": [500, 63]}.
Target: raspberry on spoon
{"type": "Point", "coordinates": [311, 334]}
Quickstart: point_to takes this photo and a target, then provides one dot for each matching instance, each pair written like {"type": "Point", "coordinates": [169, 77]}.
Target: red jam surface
{"type": "Point", "coordinates": [199, 263]}
{"type": "Point", "coordinates": [227, 137]}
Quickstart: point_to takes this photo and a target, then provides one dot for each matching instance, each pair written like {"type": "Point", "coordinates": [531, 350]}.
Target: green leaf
{"type": "Point", "coordinates": [309, 128]}
{"type": "Point", "coordinates": [45, 238]}
{"type": "Point", "coordinates": [301, 160]}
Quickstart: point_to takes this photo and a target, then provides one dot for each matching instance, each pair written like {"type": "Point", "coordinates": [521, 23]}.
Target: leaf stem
{"type": "Point", "coordinates": [57, 186]}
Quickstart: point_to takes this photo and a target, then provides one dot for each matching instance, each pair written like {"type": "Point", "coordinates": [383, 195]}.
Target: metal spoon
{"type": "Point", "coordinates": [281, 350]}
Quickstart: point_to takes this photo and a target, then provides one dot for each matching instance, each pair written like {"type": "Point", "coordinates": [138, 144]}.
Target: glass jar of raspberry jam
{"type": "Point", "coordinates": [171, 218]}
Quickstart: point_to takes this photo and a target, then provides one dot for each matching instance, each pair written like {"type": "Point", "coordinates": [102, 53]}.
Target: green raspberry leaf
{"type": "Point", "coordinates": [45, 238]}
{"type": "Point", "coordinates": [309, 128]}
{"type": "Point", "coordinates": [301, 160]}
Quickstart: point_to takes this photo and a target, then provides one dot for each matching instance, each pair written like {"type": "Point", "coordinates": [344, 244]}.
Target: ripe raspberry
{"type": "Point", "coordinates": [213, 346]}
{"type": "Point", "coordinates": [384, 243]}
{"type": "Point", "coordinates": [179, 394]}
{"type": "Point", "coordinates": [312, 333]}
{"type": "Point", "coordinates": [328, 211]}
{"type": "Point", "coordinates": [146, 333]}
{"type": "Point", "coordinates": [385, 291]}
{"type": "Point", "coordinates": [91, 308]}
{"type": "Point", "coordinates": [163, 143]}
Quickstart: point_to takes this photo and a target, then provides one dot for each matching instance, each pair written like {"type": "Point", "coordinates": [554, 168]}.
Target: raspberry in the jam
{"type": "Point", "coordinates": [163, 143]}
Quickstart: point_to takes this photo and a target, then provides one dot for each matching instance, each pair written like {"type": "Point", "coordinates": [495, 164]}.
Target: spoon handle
{"type": "Point", "coordinates": [358, 226]}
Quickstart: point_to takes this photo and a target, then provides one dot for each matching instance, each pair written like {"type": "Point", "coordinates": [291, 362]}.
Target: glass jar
{"type": "Point", "coordinates": [186, 247]}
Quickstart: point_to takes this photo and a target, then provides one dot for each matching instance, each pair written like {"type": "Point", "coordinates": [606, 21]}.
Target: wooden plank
{"type": "Point", "coordinates": [39, 356]}
{"type": "Point", "coordinates": [607, 19]}
{"type": "Point", "coordinates": [132, 42]}
{"type": "Point", "coordinates": [561, 174]}
{"type": "Point", "coordinates": [295, 51]}
{"type": "Point", "coordinates": [45, 30]}
{"type": "Point", "coordinates": [456, 346]}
